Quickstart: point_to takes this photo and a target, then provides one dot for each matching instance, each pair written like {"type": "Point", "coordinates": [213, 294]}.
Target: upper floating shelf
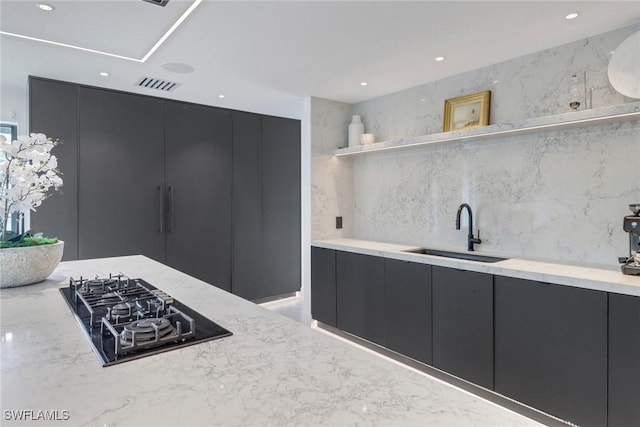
{"type": "Point", "coordinates": [616, 113]}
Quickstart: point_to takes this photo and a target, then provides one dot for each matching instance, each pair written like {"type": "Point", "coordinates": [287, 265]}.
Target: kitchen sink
{"type": "Point", "coordinates": [457, 255]}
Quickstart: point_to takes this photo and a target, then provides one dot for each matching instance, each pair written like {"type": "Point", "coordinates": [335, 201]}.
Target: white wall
{"type": "Point", "coordinates": [13, 107]}
{"type": "Point", "coordinates": [331, 180]}
{"type": "Point", "coordinates": [557, 195]}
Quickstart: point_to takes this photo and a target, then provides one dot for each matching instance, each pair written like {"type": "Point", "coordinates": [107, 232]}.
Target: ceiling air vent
{"type": "Point", "coordinates": [158, 84]}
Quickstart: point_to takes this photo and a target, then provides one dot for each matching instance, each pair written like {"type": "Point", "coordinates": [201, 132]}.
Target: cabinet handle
{"type": "Point", "coordinates": [170, 195]}
{"type": "Point", "coordinates": [161, 198]}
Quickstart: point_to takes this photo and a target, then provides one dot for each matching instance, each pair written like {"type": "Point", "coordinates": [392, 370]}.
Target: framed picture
{"type": "Point", "coordinates": [467, 111]}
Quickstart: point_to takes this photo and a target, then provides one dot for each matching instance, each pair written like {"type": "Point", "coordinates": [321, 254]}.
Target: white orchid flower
{"type": "Point", "coordinates": [28, 171]}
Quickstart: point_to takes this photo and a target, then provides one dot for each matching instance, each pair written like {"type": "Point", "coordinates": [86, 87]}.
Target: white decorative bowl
{"type": "Point", "coordinates": [28, 265]}
{"type": "Point", "coordinates": [367, 138]}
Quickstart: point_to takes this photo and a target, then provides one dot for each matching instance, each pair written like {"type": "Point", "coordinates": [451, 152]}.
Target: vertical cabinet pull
{"type": "Point", "coordinates": [161, 198]}
{"type": "Point", "coordinates": [170, 221]}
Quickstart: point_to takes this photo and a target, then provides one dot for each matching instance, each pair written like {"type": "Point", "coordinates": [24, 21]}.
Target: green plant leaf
{"type": "Point", "coordinates": [29, 241]}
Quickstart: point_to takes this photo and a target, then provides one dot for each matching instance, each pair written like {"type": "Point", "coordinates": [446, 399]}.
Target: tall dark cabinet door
{"type": "Point", "coordinates": [281, 222]}
{"type": "Point", "coordinates": [198, 191]}
{"type": "Point", "coordinates": [266, 206]}
{"type": "Point", "coordinates": [120, 171]}
{"type": "Point", "coordinates": [463, 324]}
{"type": "Point", "coordinates": [407, 288]}
{"type": "Point", "coordinates": [624, 360]}
{"type": "Point", "coordinates": [360, 295]}
{"type": "Point", "coordinates": [53, 110]}
{"type": "Point", "coordinates": [323, 285]}
{"type": "Point", "coordinates": [247, 205]}
{"type": "Point", "coordinates": [551, 348]}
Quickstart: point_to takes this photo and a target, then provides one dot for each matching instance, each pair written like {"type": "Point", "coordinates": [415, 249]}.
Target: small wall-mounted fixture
{"type": "Point", "coordinates": [578, 90]}
{"type": "Point", "coordinates": [45, 7]}
{"type": "Point", "coordinates": [158, 2]}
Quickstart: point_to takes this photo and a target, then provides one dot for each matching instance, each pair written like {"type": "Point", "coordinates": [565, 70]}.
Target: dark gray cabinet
{"type": "Point", "coordinates": [281, 203]}
{"type": "Point", "coordinates": [185, 184]}
{"type": "Point", "coordinates": [266, 206]}
{"type": "Point", "coordinates": [570, 352]}
{"type": "Point", "coordinates": [463, 324]}
{"type": "Point", "coordinates": [197, 188]}
{"type": "Point", "coordinates": [624, 361]}
{"type": "Point", "coordinates": [360, 295]}
{"type": "Point", "coordinates": [551, 348]}
{"type": "Point", "coordinates": [323, 285]}
{"type": "Point", "coordinates": [247, 204]}
{"type": "Point", "coordinates": [407, 308]}
{"type": "Point", "coordinates": [53, 110]}
{"type": "Point", "coordinates": [121, 166]}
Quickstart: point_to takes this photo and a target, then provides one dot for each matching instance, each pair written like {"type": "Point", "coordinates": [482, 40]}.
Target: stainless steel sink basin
{"type": "Point", "coordinates": [457, 255]}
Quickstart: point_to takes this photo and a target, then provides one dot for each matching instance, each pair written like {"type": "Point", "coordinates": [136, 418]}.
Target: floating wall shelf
{"type": "Point", "coordinates": [616, 113]}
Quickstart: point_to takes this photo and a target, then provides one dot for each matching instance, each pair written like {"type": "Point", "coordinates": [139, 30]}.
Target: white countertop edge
{"type": "Point", "coordinates": [599, 279]}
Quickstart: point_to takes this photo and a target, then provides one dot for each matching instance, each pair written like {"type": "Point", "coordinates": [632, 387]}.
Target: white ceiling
{"type": "Point", "coordinates": [265, 56]}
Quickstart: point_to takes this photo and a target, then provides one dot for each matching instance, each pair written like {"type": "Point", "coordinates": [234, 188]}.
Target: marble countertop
{"type": "Point", "coordinates": [587, 277]}
{"type": "Point", "coordinates": [272, 372]}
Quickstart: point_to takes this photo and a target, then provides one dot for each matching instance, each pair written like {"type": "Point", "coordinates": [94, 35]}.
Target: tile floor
{"type": "Point", "coordinates": [292, 307]}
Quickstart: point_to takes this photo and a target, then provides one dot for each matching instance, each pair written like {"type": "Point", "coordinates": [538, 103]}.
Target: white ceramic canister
{"type": "Point", "coordinates": [356, 128]}
{"type": "Point", "coordinates": [367, 138]}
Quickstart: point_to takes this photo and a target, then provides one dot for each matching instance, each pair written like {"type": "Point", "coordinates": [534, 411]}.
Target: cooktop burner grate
{"type": "Point", "coordinates": [125, 319]}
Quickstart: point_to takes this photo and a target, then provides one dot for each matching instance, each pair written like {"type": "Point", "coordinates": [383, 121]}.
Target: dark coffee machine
{"type": "Point", "coordinates": [631, 224]}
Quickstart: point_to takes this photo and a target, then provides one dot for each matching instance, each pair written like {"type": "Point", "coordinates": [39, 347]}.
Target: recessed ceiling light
{"type": "Point", "coordinates": [439, 58]}
{"type": "Point", "coordinates": [220, 96]}
{"type": "Point", "coordinates": [573, 15]}
{"type": "Point", "coordinates": [363, 83]}
{"type": "Point", "coordinates": [45, 6]}
{"type": "Point", "coordinates": [104, 74]}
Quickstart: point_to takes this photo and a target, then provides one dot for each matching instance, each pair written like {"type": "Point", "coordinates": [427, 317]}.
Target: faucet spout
{"type": "Point", "coordinates": [471, 240]}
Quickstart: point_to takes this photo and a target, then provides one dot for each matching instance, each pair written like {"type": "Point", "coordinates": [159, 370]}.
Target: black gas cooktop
{"type": "Point", "coordinates": [125, 319]}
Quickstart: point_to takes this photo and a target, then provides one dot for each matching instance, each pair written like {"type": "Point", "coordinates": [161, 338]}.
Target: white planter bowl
{"type": "Point", "coordinates": [28, 265]}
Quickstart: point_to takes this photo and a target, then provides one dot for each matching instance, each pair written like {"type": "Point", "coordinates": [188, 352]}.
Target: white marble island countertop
{"type": "Point", "coordinates": [272, 372]}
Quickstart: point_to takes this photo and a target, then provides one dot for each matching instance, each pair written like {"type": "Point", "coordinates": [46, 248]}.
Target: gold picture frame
{"type": "Point", "coordinates": [468, 111]}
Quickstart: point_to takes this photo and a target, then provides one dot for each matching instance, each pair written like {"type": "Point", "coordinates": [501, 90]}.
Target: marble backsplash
{"type": "Point", "coordinates": [530, 86]}
{"type": "Point", "coordinates": [555, 195]}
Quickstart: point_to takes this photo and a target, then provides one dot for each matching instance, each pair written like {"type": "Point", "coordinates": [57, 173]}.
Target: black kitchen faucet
{"type": "Point", "coordinates": [470, 239]}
